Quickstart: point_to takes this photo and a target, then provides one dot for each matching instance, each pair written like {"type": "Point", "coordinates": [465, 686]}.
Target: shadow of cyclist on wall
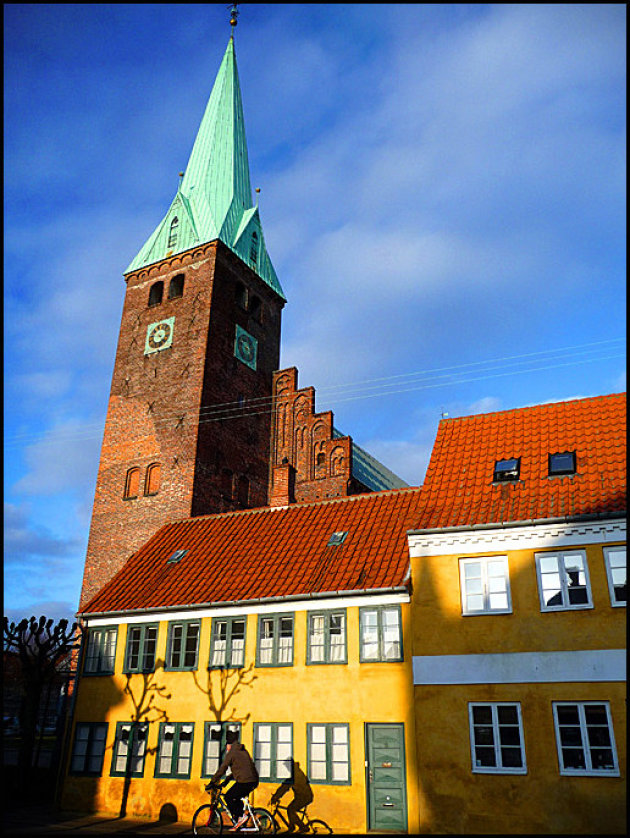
{"type": "Point", "coordinates": [302, 795]}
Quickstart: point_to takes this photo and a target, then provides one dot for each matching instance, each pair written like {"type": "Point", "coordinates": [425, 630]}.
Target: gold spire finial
{"type": "Point", "coordinates": [233, 15]}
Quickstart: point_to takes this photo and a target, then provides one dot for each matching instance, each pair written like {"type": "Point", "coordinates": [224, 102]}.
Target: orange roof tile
{"type": "Point", "coordinates": [459, 490]}
{"type": "Point", "coordinates": [268, 553]}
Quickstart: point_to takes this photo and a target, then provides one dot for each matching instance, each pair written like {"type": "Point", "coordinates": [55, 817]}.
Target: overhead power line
{"type": "Point", "coordinates": [373, 388]}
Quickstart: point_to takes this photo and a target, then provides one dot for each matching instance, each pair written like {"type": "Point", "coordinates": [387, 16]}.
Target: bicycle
{"type": "Point", "coordinates": [212, 818]}
{"type": "Point", "coordinates": [314, 825]}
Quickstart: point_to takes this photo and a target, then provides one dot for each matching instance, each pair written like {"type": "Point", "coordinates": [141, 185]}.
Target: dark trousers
{"type": "Point", "coordinates": [234, 795]}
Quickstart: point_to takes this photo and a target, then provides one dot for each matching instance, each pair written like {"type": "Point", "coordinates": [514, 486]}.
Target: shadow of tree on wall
{"type": "Point", "coordinates": [144, 692]}
{"type": "Point", "coordinates": [220, 687]}
{"type": "Point", "coordinates": [294, 816]}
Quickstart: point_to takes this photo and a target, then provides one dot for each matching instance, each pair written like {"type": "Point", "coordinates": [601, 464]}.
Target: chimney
{"type": "Point", "coordinates": [283, 485]}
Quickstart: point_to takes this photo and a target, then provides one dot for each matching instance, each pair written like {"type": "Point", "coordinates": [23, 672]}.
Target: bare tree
{"type": "Point", "coordinates": [41, 648]}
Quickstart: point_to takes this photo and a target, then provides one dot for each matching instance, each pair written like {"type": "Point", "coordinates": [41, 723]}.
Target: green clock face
{"type": "Point", "coordinates": [159, 336]}
{"type": "Point", "coordinates": [246, 348]}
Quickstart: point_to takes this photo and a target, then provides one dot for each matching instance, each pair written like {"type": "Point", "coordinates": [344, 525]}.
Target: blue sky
{"type": "Point", "coordinates": [442, 195]}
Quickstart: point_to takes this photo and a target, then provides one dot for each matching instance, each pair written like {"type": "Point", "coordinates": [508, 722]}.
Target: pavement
{"type": "Point", "coordinates": [46, 820]}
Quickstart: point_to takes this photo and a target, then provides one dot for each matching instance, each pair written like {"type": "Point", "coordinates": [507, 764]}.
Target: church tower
{"type": "Point", "coordinates": [188, 423]}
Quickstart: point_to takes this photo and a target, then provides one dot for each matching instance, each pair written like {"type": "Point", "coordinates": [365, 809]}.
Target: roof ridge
{"type": "Point", "coordinates": [259, 510]}
{"type": "Point", "coordinates": [549, 404]}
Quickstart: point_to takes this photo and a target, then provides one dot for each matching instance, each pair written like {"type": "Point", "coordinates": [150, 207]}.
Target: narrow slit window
{"type": "Point", "coordinates": [253, 250]}
{"type": "Point", "coordinates": [172, 233]}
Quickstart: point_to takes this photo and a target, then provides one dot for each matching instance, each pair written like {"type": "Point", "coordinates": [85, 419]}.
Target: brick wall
{"type": "Point", "coordinates": [192, 408]}
{"type": "Point", "coordinates": [303, 439]}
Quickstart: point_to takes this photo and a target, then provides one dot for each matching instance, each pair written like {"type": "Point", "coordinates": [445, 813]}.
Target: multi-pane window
{"type": "Point", "coordinates": [227, 646]}
{"type": "Point", "coordinates": [88, 748]}
{"type": "Point", "coordinates": [485, 585]}
{"type": "Point", "coordinates": [101, 651]}
{"type": "Point", "coordinates": [172, 233]}
{"type": "Point", "coordinates": [327, 637]}
{"type": "Point", "coordinates": [563, 580]}
{"type": "Point", "coordinates": [129, 750]}
{"type": "Point", "coordinates": [615, 558]}
{"type": "Point", "coordinates": [141, 645]}
{"type": "Point", "coordinates": [214, 745]}
{"type": "Point", "coordinates": [174, 749]}
{"type": "Point", "coordinates": [273, 751]}
{"type": "Point", "coordinates": [381, 634]}
{"type": "Point", "coordinates": [496, 738]}
{"type": "Point", "coordinates": [328, 753]}
{"type": "Point", "coordinates": [275, 640]}
{"type": "Point", "coordinates": [585, 739]}
{"type": "Point", "coordinates": [183, 645]}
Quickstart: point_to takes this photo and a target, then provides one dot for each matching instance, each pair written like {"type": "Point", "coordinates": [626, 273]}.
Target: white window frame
{"type": "Point", "coordinates": [485, 592]}
{"type": "Point", "coordinates": [563, 557]}
{"type": "Point", "coordinates": [619, 548]}
{"type": "Point", "coordinates": [496, 739]}
{"type": "Point", "coordinates": [588, 771]}
{"type": "Point", "coordinates": [273, 751]}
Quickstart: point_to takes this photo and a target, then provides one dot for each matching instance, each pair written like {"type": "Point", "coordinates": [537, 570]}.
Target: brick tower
{"type": "Point", "coordinates": [188, 423]}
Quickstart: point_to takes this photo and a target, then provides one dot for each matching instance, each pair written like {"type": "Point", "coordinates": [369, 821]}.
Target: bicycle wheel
{"type": "Point", "coordinates": [320, 827]}
{"type": "Point", "coordinates": [265, 821]}
{"type": "Point", "coordinates": [207, 821]}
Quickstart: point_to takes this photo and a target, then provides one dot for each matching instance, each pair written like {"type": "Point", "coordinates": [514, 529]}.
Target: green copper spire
{"type": "Point", "coordinates": [214, 197]}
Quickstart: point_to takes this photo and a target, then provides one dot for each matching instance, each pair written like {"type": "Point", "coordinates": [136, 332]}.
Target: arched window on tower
{"type": "Point", "coordinates": [152, 479]}
{"type": "Point", "coordinates": [156, 293]}
{"type": "Point", "coordinates": [132, 482]}
{"type": "Point", "coordinates": [253, 249]}
{"type": "Point", "coordinates": [172, 233]}
{"type": "Point", "coordinates": [176, 287]}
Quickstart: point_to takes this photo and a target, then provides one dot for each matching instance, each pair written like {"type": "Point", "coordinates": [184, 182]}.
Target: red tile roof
{"type": "Point", "coordinates": [266, 553]}
{"type": "Point", "coordinates": [459, 491]}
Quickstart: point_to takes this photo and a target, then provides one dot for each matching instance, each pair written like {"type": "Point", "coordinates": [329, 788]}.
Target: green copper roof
{"type": "Point", "coordinates": [367, 470]}
{"type": "Point", "coordinates": [214, 198]}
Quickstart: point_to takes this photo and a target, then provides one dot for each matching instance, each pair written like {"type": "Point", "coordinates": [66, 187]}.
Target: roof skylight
{"type": "Point", "coordinates": [507, 470]}
{"type": "Point", "coordinates": [177, 555]}
{"type": "Point", "coordinates": [336, 539]}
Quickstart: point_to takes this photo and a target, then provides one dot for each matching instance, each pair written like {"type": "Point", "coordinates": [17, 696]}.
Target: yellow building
{"type": "Point", "coordinates": [288, 623]}
{"type": "Point", "coordinates": [519, 578]}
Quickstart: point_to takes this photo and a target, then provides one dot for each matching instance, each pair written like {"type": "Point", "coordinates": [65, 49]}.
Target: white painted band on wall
{"type": "Point", "coordinates": [590, 666]}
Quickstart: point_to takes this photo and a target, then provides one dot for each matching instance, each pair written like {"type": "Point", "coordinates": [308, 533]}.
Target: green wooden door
{"type": "Point", "coordinates": [386, 777]}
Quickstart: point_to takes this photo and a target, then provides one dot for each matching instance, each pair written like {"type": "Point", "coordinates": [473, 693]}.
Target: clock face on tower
{"type": "Point", "coordinates": [159, 336]}
{"type": "Point", "coordinates": [246, 348]}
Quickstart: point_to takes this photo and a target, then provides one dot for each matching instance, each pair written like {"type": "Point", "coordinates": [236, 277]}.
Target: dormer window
{"type": "Point", "coordinates": [562, 463]}
{"type": "Point", "coordinates": [172, 233]}
{"type": "Point", "coordinates": [506, 470]}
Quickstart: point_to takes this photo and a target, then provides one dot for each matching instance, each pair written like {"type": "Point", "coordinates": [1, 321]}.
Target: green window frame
{"type": "Point", "coordinates": [175, 749]}
{"type": "Point", "coordinates": [214, 745]}
{"type": "Point", "coordinates": [88, 749]}
{"type": "Point", "coordinates": [273, 751]}
{"type": "Point", "coordinates": [130, 749]}
{"type": "Point", "coordinates": [100, 656]}
{"type": "Point", "coordinates": [328, 753]}
{"type": "Point", "coordinates": [141, 647]}
{"type": "Point", "coordinates": [327, 637]}
{"type": "Point", "coordinates": [380, 628]}
{"type": "Point", "coordinates": [227, 643]}
{"type": "Point", "coordinates": [275, 640]}
{"type": "Point", "coordinates": [183, 645]}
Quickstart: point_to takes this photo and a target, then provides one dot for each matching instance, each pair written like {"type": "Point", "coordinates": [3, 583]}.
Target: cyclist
{"type": "Point", "coordinates": [244, 774]}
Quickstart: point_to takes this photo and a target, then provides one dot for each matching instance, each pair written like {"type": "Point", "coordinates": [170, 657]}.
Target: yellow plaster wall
{"type": "Point", "coordinates": [539, 802]}
{"type": "Point", "coordinates": [451, 797]}
{"type": "Point", "coordinates": [438, 610]}
{"type": "Point", "coordinates": [354, 693]}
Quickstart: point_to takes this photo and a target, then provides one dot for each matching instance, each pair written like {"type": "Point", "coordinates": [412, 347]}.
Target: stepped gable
{"type": "Point", "coordinates": [459, 489]}
{"type": "Point", "coordinates": [269, 553]}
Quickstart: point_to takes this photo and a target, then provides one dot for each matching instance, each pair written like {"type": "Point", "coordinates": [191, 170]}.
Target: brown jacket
{"type": "Point", "coordinates": [241, 764]}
